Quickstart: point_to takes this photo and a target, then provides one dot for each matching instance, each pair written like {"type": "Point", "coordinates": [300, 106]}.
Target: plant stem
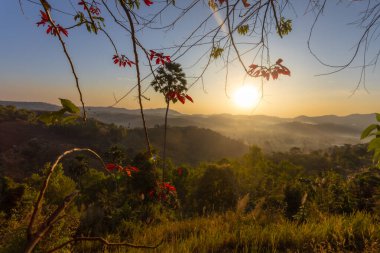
{"type": "Point", "coordinates": [165, 131]}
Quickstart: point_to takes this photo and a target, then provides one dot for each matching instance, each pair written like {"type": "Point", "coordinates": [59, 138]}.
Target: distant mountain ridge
{"type": "Point", "coordinates": [42, 106]}
{"type": "Point", "coordinates": [271, 133]}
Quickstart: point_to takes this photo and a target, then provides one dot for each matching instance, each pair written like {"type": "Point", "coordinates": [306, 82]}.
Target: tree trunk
{"type": "Point", "coordinates": [165, 131]}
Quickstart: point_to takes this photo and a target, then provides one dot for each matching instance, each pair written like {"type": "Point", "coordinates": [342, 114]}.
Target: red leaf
{"type": "Point", "coordinates": [285, 71]}
{"type": "Point", "coordinates": [95, 10]}
{"type": "Point", "coordinates": [169, 187]}
{"type": "Point", "coordinates": [274, 74]}
{"type": "Point", "coordinates": [111, 166]}
{"type": "Point", "coordinates": [253, 66]}
{"type": "Point", "coordinates": [44, 16]}
{"type": "Point", "coordinates": [134, 169]}
{"type": "Point", "coordinates": [170, 95]}
{"type": "Point", "coordinates": [148, 2]}
{"type": "Point", "coordinates": [181, 98]}
{"type": "Point", "coordinates": [245, 3]}
{"type": "Point", "coordinates": [256, 73]}
{"type": "Point", "coordinates": [63, 30]}
{"type": "Point", "coordinates": [189, 98]}
{"type": "Point", "coordinates": [152, 54]}
{"type": "Point", "coordinates": [84, 4]}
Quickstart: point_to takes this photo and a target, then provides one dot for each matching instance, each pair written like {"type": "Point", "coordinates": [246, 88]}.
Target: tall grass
{"type": "Point", "coordinates": [236, 233]}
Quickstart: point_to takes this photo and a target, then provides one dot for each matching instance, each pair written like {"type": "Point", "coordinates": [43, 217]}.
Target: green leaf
{"type": "Point", "coordinates": [216, 52]}
{"type": "Point", "coordinates": [284, 26]}
{"type": "Point", "coordinates": [212, 5]}
{"type": "Point", "coordinates": [243, 29]}
{"type": "Point", "coordinates": [374, 144]}
{"type": "Point", "coordinates": [376, 134]}
{"type": "Point", "coordinates": [69, 119]}
{"type": "Point", "coordinates": [376, 156]}
{"type": "Point", "coordinates": [368, 130]}
{"type": "Point", "coordinates": [69, 106]}
{"type": "Point", "coordinates": [88, 27]}
{"type": "Point", "coordinates": [50, 118]}
{"type": "Point", "coordinates": [46, 118]}
{"type": "Point", "coordinates": [378, 117]}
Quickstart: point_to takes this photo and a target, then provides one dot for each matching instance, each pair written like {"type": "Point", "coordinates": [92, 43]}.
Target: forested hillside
{"type": "Point", "coordinates": [26, 144]}
{"type": "Point", "coordinates": [323, 201]}
{"type": "Point", "coordinates": [270, 133]}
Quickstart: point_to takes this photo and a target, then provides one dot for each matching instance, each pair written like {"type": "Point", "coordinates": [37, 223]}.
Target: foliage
{"type": "Point", "coordinates": [217, 190]}
{"type": "Point", "coordinates": [216, 52]}
{"type": "Point", "coordinates": [272, 71]}
{"type": "Point", "coordinates": [330, 197]}
{"type": "Point", "coordinates": [68, 114]}
{"type": "Point", "coordinates": [232, 233]}
{"type": "Point", "coordinates": [243, 29]}
{"type": "Point", "coordinates": [284, 27]}
{"type": "Point", "coordinates": [373, 130]}
{"type": "Point", "coordinates": [9, 113]}
{"type": "Point", "coordinates": [170, 81]}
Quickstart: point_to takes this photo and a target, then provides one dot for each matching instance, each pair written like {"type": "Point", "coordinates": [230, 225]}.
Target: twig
{"type": "Point", "coordinates": [38, 204]}
{"type": "Point", "coordinates": [47, 10]}
{"type": "Point", "coordinates": [105, 242]}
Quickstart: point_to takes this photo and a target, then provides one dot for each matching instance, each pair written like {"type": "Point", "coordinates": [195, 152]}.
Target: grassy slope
{"type": "Point", "coordinates": [235, 233]}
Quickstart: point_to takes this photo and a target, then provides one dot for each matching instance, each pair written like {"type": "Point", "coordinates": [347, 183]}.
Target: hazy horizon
{"type": "Point", "coordinates": [222, 113]}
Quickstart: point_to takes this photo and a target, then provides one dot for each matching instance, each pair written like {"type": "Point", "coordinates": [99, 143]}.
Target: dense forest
{"type": "Point", "coordinates": [321, 201]}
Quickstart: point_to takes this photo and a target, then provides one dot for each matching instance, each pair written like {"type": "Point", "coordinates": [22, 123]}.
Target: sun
{"type": "Point", "coordinates": [246, 96]}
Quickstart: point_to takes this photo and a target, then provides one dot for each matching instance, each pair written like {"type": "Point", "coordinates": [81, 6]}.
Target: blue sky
{"type": "Point", "coordinates": [33, 66]}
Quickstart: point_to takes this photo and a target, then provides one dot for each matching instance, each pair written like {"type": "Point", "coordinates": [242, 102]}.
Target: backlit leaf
{"type": "Point", "coordinates": [69, 106]}
{"type": "Point", "coordinates": [368, 130]}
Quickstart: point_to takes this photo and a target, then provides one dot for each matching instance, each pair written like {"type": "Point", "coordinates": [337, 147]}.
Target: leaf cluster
{"type": "Point", "coordinates": [284, 27]}
{"type": "Point", "coordinates": [243, 29]}
{"type": "Point", "coordinates": [216, 52]}
{"type": "Point", "coordinates": [170, 79]}
{"type": "Point", "coordinates": [373, 131]}
{"type": "Point", "coordinates": [68, 114]}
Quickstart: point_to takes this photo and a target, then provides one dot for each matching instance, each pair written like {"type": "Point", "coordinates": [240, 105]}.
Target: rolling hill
{"type": "Point", "coordinates": [268, 132]}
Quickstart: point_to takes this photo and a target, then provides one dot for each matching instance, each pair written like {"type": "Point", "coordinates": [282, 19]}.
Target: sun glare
{"type": "Point", "coordinates": [246, 96]}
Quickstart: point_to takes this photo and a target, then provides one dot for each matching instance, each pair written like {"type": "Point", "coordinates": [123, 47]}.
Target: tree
{"type": "Point", "coordinates": [217, 190]}
{"type": "Point", "coordinates": [170, 81]}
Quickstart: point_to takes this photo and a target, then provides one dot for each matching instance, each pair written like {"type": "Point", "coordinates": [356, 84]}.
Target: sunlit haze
{"type": "Point", "coordinates": [246, 96]}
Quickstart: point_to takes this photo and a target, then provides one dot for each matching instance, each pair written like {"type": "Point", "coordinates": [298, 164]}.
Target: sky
{"type": "Point", "coordinates": [34, 68]}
